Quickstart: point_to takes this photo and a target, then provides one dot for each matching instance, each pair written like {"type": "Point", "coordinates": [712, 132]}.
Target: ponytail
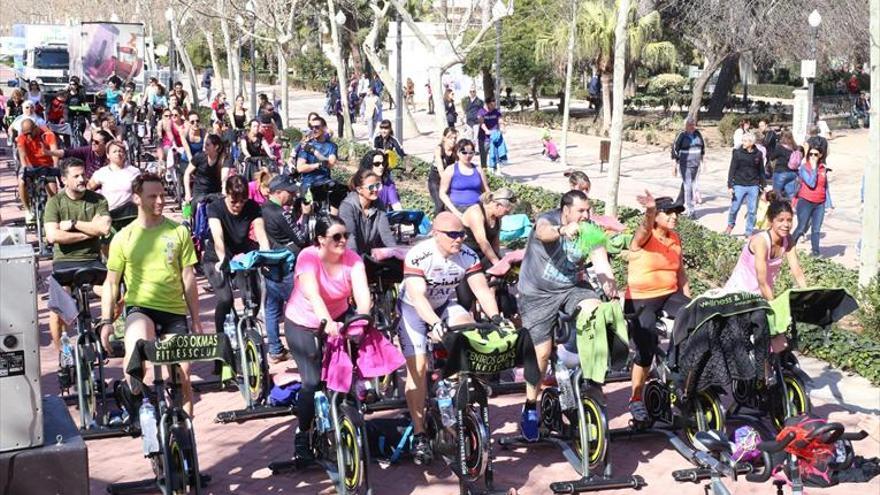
{"type": "Point", "coordinates": [778, 205]}
{"type": "Point", "coordinates": [487, 197]}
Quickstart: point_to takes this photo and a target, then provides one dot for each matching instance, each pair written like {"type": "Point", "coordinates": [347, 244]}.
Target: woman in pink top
{"type": "Point", "coordinates": [258, 189]}
{"type": "Point", "coordinates": [762, 256]}
{"type": "Point", "coordinates": [327, 275]}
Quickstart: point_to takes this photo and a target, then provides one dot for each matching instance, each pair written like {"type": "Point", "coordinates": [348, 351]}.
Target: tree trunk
{"type": "Point", "coordinates": [869, 263]}
{"type": "Point", "coordinates": [180, 48]}
{"type": "Point", "coordinates": [231, 57]}
{"type": "Point", "coordinates": [285, 88]}
{"type": "Point", "coordinates": [348, 131]}
{"type": "Point", "coordinates": [390, 83]}
{"type": "Point", "coordinates": [435, 79]}
{"type": "Point", "coordinates": [215, 62]}
{"type": "Point", "coordinates": [607, 104]}
{"type": "Point", "coordinates": [724, 85]}
{"type": "Point", "coordinates": [535, 85]}
{"type": "Point", "coordinates": [617, 117]}
{"type": "Point", "coordinates": [488, 81]}
{"type": "Point", "coordinates": [699, 85]}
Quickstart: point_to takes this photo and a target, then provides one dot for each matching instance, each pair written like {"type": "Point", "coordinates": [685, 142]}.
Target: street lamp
{"type": "Point", "coordinates": [499, 11]}
{"type": "Point", "coordinates": [815, 19]}
{"type": "Point", "coordinates": [250, 10]}
{"type": "Point", "coordinates": [169, 16]}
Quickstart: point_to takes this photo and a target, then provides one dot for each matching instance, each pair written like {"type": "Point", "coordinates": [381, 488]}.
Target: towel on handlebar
{"type": "Point", "coordinates": [277, 262]}
{"type": "Point", "coordinates": [491, 351]}
{"type": "Point", "coordinates": [376, 357]}
{"type": "Point", "coordinates": [816, 306]}
{"type": "Point", "coordinates": [595, 332]}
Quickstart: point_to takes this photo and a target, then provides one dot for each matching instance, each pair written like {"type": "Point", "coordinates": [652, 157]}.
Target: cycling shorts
{"type": "Point", "coordinates": [414, 332]}
{"type": "Point", "coordinates": [165, 323]}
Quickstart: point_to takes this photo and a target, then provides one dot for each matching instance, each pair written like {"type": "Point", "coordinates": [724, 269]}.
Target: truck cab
{"type": "Point", "coordinates": [48, 65]}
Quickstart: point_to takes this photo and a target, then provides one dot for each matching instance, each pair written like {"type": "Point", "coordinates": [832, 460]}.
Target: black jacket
{"type": "Point", "coordinates": [746, 168]}
{"type": "Point", "coordinates": [683, 143]}
{"type": "Point", "coordinates": [778, 158]}
{"type": "Point", "coordinates": [282, 230]}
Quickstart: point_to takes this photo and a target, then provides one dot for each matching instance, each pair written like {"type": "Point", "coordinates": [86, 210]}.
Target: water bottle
{"type": "Point", "coordinates": [149, 433]}
{"type": "Point", "coordinates": [66, 359]}
{"type": "Point", "coordinates": [229, 330]}
{"type": "Point", "coordinates": [187, 211]}
{"type": "Point", "coordinates": [322, 412]}
{"type": "Point", "coordinates": [444, 403]}
{"type": "Point", "coordinates": [563, 381]}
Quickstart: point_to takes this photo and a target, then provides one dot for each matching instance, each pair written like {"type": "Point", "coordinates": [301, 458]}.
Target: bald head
{"type": "Point", "coordinates": [447, 221]}
{"type": "Point", "coordinates": [27, 126]}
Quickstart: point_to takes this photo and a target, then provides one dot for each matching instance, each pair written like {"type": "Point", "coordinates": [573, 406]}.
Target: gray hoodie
{"type": "Point", "coordinates": [367, 231]}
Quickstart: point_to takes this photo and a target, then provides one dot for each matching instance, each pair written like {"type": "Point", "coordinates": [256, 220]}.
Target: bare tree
{"type": "Point", "coordinates": [455, 34]}
{"type": "Point", "coordinates": [620, 40]}
{"type": "Point", "coordinates": [871, 215]}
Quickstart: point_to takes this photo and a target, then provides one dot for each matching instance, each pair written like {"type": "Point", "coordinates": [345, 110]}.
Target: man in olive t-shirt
{"type": "Point", "coordinates": [75, 221]}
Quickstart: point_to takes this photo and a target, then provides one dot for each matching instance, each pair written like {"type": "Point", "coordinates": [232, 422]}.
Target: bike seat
{"type": "Point", "coordinates": [712, 441]}
{"type": "Point", "coordinates": [91, 274]}
{"type": "Point", "coordinates": [564, 327]}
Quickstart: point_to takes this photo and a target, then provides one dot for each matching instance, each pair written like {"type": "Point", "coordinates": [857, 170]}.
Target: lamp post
{"type": "Point", "coordinates": [172, 55]}
{"type": "Point", "coordinates": [398, 94]}
{"type": "Point", "coordinates": [815, 19]}
{"type": "Point", "coordinates": [250, 10]}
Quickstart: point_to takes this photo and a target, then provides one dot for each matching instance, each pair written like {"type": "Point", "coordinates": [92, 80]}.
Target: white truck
{"type": "Point", "coordinates": [42, 55]}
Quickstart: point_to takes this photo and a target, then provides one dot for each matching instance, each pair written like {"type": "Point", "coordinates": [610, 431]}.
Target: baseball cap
{"type": "Point", "coordinates": [667, 205]}
{"type": "Point", "coordinates": [284, 183]}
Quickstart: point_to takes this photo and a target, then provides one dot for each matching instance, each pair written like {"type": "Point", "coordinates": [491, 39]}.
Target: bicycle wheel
{"type": "Point", "coordinates": [798, 400]}
{"type": "Point", "coordinates": [473, 451]}
{"type": "Point", "coordinates": [351, 456]}
{"type": "Point", "coordinates": [706, 414]}
{"type": "Point", "coordinates": [86, 385]}
{"type": "Point", "coordinates": [597, 431]}
{"type": "Point", "coordinates": [180, 462]}
{"type": "Point", "coordinates": [255, 370]}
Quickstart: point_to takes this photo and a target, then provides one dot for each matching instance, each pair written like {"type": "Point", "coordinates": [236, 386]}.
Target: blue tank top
{"type": "Point", "coordinates": [465, 190]}
{"type": "Point", "coordinates": [199, 146]}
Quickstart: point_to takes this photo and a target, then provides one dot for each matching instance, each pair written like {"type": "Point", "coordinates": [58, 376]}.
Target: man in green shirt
{"type": "Point", "coordinates": [155, 256]}
{"type": "Point", "coordinates": [75, 221]}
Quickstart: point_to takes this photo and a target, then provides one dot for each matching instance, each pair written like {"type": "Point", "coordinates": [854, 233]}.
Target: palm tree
{"type": "Point", "coordinates": [595, 43]}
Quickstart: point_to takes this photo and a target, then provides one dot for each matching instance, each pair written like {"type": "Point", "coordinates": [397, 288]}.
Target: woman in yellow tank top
{"type": "Point", "coordinates": [656, 281]}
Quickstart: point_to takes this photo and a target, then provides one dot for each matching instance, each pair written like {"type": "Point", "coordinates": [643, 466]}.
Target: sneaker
{"type": "Point", "coordinates": [279, 357]}
{"type": "Point", "coordinates": [638, 411]}
{"type": "Point", "coordinates": [302, 447]}
{"type": "Point", "coordinates": [421, 450]}
{"type": "Point", "coordinates": [529, 424]}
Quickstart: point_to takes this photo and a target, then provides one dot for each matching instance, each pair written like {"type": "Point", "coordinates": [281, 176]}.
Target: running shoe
{"type": "Point", "coordinates": [638, 411]}
{"type": "Point", "coordinates": [279, 357]}
{"type": "Point", "coordinates": [529, 425]}
{"type": "Point", "coordinates": [421, 450]}
{"type": "Point", "coordinates": [302, 447]}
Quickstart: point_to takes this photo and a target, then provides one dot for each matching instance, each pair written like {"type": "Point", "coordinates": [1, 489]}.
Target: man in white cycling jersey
{"type": "Point", "coordinates": [431, 272]}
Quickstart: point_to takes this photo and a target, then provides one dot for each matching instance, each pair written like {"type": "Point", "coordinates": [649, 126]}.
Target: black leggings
{"type": "Point", "coordinates": [434, 191]}
{"type": "Point", "coordinates": [303, 343]}
{"type": "Point", "coordinates": [223, 290]}
{"type": "Point", "coordinates": [643, 335]}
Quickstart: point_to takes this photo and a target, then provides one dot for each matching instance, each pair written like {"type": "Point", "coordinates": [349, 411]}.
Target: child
{"type": "Point", "coordinates": [550, 150]}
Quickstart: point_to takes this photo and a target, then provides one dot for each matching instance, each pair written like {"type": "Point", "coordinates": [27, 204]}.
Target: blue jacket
{"type": "Point", "coordinates": [497, 149]}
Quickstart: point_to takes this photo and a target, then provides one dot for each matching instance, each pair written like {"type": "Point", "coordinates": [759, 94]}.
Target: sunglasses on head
{"type": "Point", "coordinates": [339, 236]}
{"type": "Point", "coordinates": [455, 234]}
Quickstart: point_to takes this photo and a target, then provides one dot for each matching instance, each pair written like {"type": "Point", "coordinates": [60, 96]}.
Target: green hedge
{"type": "Point", "coordinates": [782, 91]}
{"type": "Point", "coordinates": [709, 260]}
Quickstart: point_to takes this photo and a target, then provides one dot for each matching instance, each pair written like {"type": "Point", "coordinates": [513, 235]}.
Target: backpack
{"type": "Point", "coordinates": [819, 447]}
{"type": "Point", "coordinates": [794, 160]}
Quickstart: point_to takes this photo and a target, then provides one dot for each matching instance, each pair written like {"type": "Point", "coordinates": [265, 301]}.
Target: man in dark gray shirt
{"type": "Point", "coordinates": [553, 278]}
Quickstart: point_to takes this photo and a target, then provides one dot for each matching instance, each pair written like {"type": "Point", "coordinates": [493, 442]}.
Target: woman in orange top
{"type": "Point", "coordinates": [656, 281]}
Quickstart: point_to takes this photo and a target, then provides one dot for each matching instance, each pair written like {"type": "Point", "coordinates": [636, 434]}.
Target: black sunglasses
{"type": "Point", "coordinates": [339, 236]}
{"type": "Point", "coordinates": [815, 154]}
{"type": "Point", "coordinates": [455, 234]}
{"type": "Point", "coordinates": [316, 127]}
{"type": "Point", "coordinates": [466, 152]}
{"type": "Point", "coordinates": [194, 121]}
{"type": "Point", "coordinates": [380, 163]}
{"type": "Point", "coordinates": [97, 142]}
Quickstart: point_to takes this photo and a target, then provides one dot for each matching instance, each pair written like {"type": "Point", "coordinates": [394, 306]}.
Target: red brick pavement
{"type": "Point", "coordinates": [236, 456]}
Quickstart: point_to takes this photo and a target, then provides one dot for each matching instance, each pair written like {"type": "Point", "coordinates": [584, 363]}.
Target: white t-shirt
{"type": "Point", "coordinates": [115, 185]}
{"type": "Point", "coordinates": [442, 275]}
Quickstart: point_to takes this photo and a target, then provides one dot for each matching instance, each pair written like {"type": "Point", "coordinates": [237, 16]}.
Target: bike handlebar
{"type": "Point", "coordinates": [472, 326]}
{"type": "Point", "coordinates": [773, 446]}
{"type": "Point", "coordinates": [343, 330]}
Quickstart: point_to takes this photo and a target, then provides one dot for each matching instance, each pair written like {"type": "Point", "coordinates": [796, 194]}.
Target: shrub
{"type": "Point", "coordinates": [782, 91]}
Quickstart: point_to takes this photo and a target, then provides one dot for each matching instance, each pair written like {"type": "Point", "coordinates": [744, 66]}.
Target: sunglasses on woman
{"type": "Point", "coordinates": [380, 163]}
{"type": "Point", "coordinates": [339, 236]}
{"type": "Point", "coordinates": [373, 187]}
{"type": "Point", "coordinates": [815, 154]}
{"type": "Point", "coordinates": [194, 121]}
{"type": "Point", "coordinates": [466, 152]}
